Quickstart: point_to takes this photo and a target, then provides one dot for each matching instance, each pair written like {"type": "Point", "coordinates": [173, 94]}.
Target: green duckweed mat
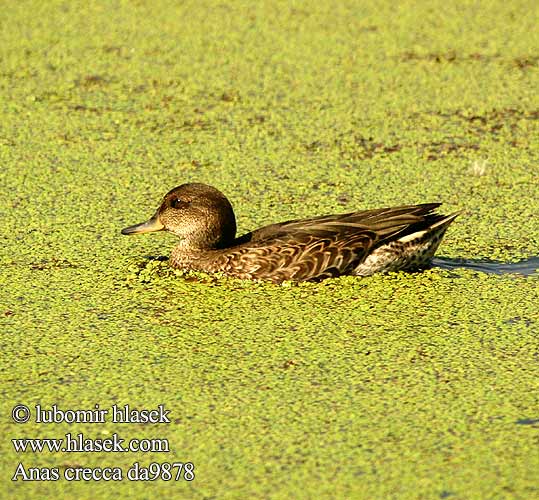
{"type": "Point", "coordinates": [398, 386]}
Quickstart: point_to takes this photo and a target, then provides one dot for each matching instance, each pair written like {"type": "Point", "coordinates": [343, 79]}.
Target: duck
{"type": "Point", "coordinates": [402, 238]}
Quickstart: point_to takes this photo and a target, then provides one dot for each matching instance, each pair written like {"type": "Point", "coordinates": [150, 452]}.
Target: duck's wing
{"type": "Point", "coordinates": [324, 246]}
{"type": "Point", "coordinates": [383, 221]}
{"type": "Point", "coordinates": [304, 257]}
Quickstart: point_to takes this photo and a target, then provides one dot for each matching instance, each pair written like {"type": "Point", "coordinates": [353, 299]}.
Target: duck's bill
{"type": "Point", "coordinates": [154, 224]}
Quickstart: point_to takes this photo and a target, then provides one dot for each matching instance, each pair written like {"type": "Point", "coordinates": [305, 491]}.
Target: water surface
{"type": "Point", "coordinates": [526, 267]}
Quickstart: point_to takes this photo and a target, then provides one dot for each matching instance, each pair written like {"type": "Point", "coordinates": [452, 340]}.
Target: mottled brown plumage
{"type": "Point", "coordinates": [357, 243]}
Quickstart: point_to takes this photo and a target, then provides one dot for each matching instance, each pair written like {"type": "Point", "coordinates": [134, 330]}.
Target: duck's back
{"type": "Point", "coordinates": [360, 243]}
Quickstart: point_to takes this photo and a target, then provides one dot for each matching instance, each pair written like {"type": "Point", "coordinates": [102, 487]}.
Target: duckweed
{"type": "Point", "coordinates": [395, 386]}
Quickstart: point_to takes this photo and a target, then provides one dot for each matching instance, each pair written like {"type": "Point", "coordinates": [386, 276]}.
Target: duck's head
{"type": "Point", "coordinates": [199, 214]}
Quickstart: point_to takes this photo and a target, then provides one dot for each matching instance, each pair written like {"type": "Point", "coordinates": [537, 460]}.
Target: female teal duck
{"type": "Point", "coordinates": [357, 243]}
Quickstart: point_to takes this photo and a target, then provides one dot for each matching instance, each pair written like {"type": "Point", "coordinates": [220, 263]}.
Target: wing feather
{"type": "Point", "coordinates": [330, 245]}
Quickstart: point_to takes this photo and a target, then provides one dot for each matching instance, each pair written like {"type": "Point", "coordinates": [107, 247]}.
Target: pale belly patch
{"type": "Point", "coordinates": [408, 253]}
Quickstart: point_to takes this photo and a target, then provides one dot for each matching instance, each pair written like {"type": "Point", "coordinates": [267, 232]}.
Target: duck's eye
{"type": "Point", "coordinates": [176, 203]}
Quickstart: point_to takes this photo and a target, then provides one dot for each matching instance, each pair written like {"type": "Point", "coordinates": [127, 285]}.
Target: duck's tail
{"type": "Point", "coordinates": [412, 251]}
{"type": "Point", "coordinates": [436, 225]}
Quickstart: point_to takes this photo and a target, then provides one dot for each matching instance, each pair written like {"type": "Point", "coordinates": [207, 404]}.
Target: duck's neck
{"type": "Point", "coordinates": [186, 256]}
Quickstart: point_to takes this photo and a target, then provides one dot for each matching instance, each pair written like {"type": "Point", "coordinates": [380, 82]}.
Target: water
{"type": "Point", "coordinates": [526, 267]}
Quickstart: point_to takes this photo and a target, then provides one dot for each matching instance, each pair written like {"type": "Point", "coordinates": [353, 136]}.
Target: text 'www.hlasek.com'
{"type": "Point", "coordinates": [78, 442]}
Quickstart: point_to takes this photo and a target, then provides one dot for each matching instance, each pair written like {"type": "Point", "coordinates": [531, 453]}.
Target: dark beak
{"type": "Point", "coordinates": [154, 224]}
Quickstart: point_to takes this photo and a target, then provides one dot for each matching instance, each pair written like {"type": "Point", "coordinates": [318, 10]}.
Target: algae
{"type": "Point", "coordinates": [398, 386]}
